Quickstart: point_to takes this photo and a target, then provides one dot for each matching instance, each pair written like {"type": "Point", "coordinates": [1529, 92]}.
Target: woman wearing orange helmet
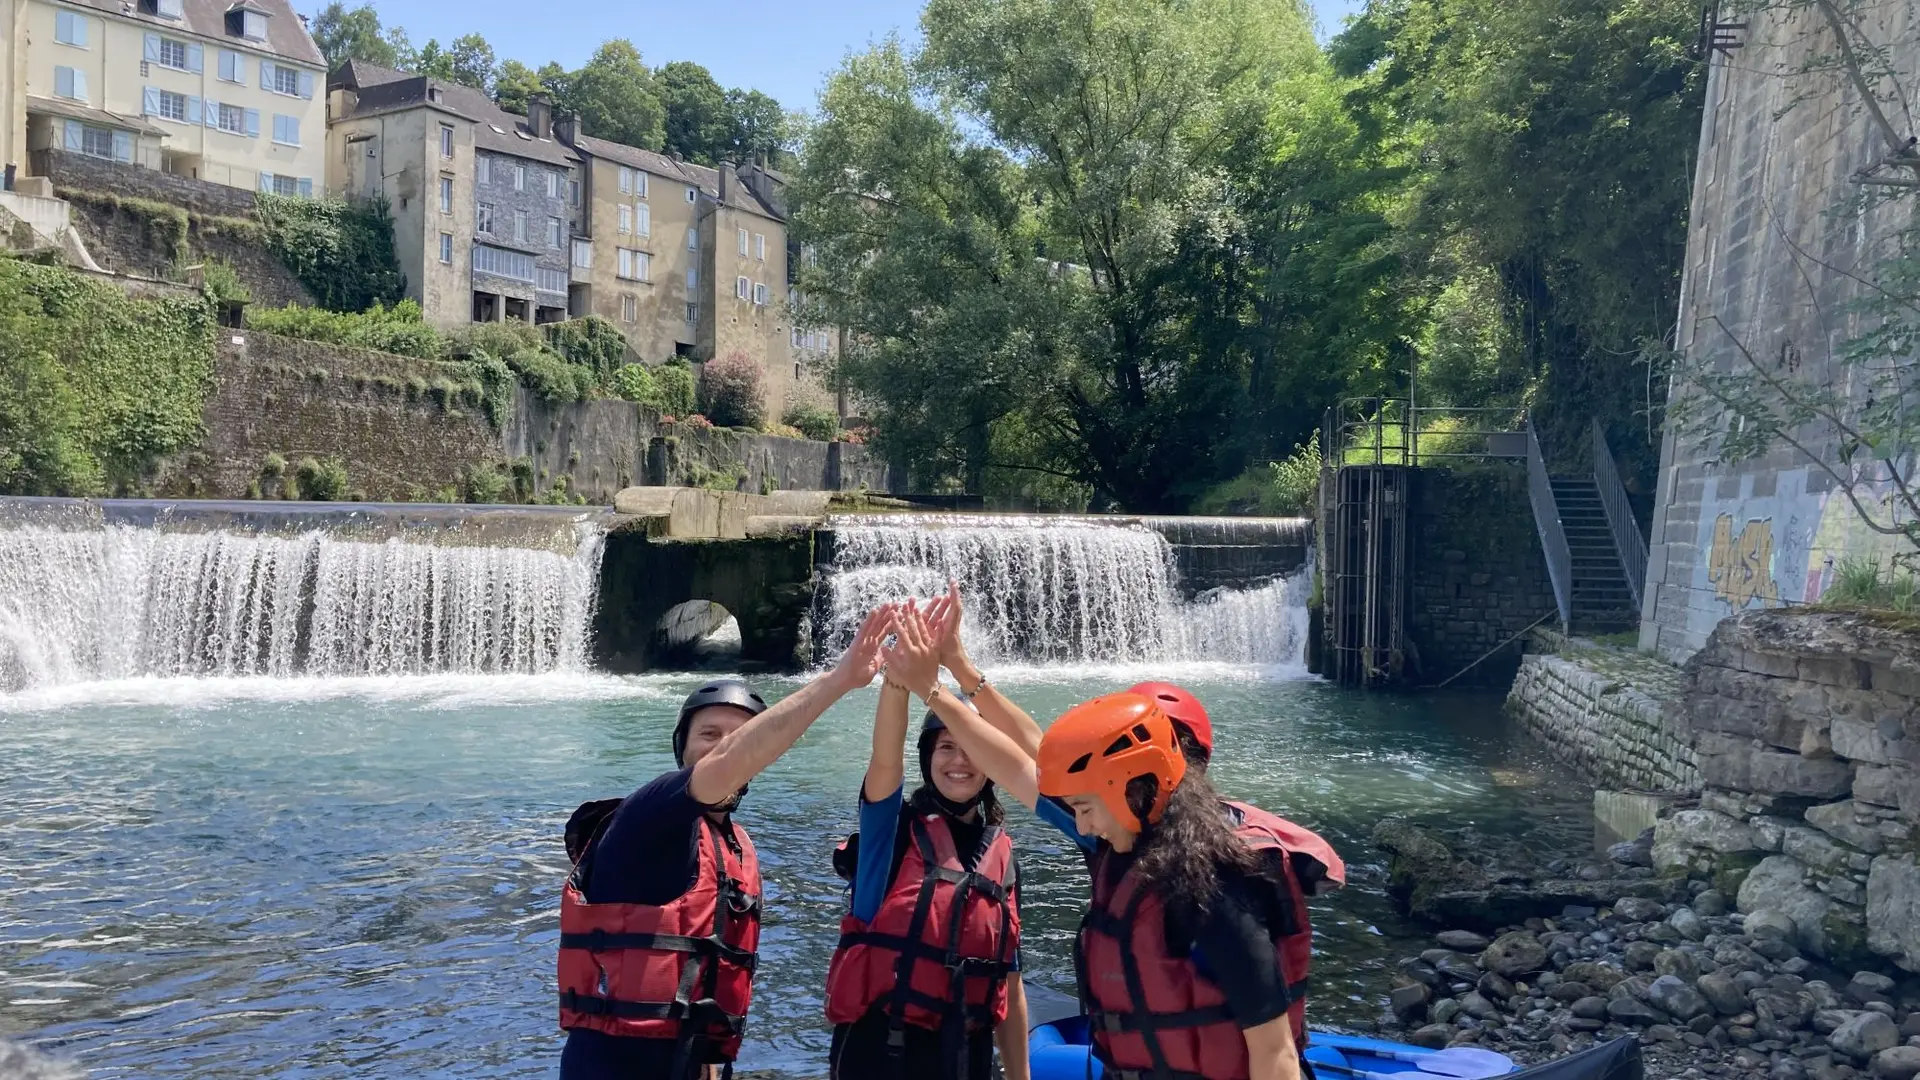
{"type": "Point", "coordinates": [1181, 954]}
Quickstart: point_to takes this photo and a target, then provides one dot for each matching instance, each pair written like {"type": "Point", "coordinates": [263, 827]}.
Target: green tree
{"type": "Point", "coordinates": [471, 61]}
{"type": "Point", "coordinates": [514, 83]}
{"type": "Point", "coordinates": [699, 125]}
{"type": "Point", "coordinates": [756, 125]}
{"type": "Point", "coordinates": [615, 97]}
{"type": "Point", "coordinates": [344, 34]}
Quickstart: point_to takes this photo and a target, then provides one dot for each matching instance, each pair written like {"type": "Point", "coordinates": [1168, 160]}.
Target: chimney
{"type": "Point", "coordinates": [540, 116]}
{"type": "Point", "coordinates": [727, 180]}
{"type": "Point", "coordinates": [567, 129]}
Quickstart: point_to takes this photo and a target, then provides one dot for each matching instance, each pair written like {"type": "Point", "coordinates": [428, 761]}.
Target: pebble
{"type": "Point", "coordinates": [1710, 903]}
{"type": "Point", "coordinates": [1687, 924]}
{"type": "Point", "coordinates": [1864, 1036]}
{"type": "Point", "coordinates": [1492, 986]}
{"type": "Point", "coordinates": [1721, 992]}
{"type": "Point", "coordinates": [1896, 1063]}
{"type": "Point", "coordinates": [1444, 1011]}
{"type": "Point", "coordinates": [1626, 1010]}
{"type": "Point", "coordinates": [1463, 940]}
{"type": "Point", "coordinates": [1590, 1008]}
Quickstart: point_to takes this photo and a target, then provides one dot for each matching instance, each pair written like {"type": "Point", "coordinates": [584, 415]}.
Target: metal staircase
{"type": "Point", "coordinates": [1600, 600]}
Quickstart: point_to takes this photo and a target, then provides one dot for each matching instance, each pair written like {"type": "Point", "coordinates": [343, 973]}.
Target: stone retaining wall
{"type": "Point", "coordinates": [1807, 731]}
{"type": "Point", "coordinates": [1614, 732]}
{"type": "Point", "coordinates": [1478, 579]}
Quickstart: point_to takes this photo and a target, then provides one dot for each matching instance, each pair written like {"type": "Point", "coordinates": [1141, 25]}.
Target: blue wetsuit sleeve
{"type": "Point", "coordinates": [879, 822]}
{"type": "Point", "coordinates": [1055, 813]}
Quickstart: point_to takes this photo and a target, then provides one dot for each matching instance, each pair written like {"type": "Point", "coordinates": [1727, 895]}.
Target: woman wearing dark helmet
{"type": "Point", "coordinates": [925, 981]}
{"type": "Point", "coordinates": [661, 915]}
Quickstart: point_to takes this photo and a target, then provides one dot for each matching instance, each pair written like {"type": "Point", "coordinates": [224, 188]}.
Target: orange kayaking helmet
{"type": "Point", "coordinates": [1184, 710]}
{"type": "Point", "coordinates": [1098, 746]}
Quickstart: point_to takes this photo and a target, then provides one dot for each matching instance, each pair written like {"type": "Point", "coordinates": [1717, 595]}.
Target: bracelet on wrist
{"type": "Point", "coordinates": [977, 687]}
{"type": "Point", "coordinates": [932, 692]}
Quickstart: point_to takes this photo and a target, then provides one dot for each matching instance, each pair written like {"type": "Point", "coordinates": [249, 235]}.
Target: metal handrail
{"type": "Point", "coordinates": [1391, 430]}
{"type": "Point", "coordinates": [1553, 537]}
{"type": "Point", "coordinates": [1627, 540]}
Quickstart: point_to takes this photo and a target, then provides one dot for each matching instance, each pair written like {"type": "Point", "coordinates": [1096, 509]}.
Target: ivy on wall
{"type": "Point", "coordinates": [340, 249]}
{"type": "Point", "coordinates": [94, 386]}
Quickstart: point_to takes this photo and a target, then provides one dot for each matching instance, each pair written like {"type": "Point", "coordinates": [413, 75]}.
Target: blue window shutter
{"type": "Point", "coordinates": [266, 182]}
{"type": "Point", "coordinates": [153, 48]}
{"type": "Point", "coordinates": [306, 187]}
{"type": "Point", "coordinates": [63, 82]}
{"type": "Point", "coordinates": [213, 113]}
{"type": "Point", "coordinates": [306, 84]}
{"type": "Point", "coordinates": [196, 59]}
{"type": "Point", "coordinates": [193, 110]}
{"type": "Point", "coordinates": [266, 74]}
{"type": "Point", "coordinates": [73, 137]}
{"type": "Point", "coordinates": [123, 146]}
{"type": "Point", "coordinates": [80, 84]}
{"type": "Point", "coordinates": [253, 123]}
{"type": "Point", "coordinates": [150, 102]}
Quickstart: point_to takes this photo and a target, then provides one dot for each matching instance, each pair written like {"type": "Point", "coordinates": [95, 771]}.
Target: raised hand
{"type": "Point", "coordinates": [862, 660]}
{"type": "Point", "coordinates": [943, 617]}
{"type": "Point", "coordinates": [913, 661]}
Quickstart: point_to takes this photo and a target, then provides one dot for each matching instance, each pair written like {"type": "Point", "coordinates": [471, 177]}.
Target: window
{"type": "Point", "coordinates": [286, 185]}
{"type": "Point", "coordinates": [626, 180]}
{"type": "Point", "coordinates": [626, 218]}
{"type": "Point", "coordinates": [573, 192]}
{"type": "Point", "coordinates": [483, 219]}
{"type": "Point", "coordinates": [692, 194]}
{"type": "Point", "coordinates": [70, 83]}
{"type": "Point", "coordinates": [70, 28]}
{"type": "Point", "coordinates": [231, 119]}
{"type": "Point", "coordinates": [760, 246]}
{"type": "Point", "coordinates": [446, 140]}
{"type": "Point", "coordinates": [169, 9]}
{"type": "Point", "coordinates": [446, 248]}
{"type": "Point", "coordinates": [482, 169]}
{"type": "Point", "coordinates": [286, 129]}
{"type": "Point", "coordinates": [553, 281]}
{"type": "Point", "coordinates": [639, 183]}
{"type": "Point", "coordinates": [519, 178]}
{"type": "Point", "coordinates": [583, 253]}
{"type": "Point", "coordinates": [742, 288]}
{"type": "Point", "coordinates": [693, 279]}
{"type": "Point", "coordinates": [642, 219]}
{"type": "Point", "coordinates": [173, 54]}
{"type": "Point", "coordinates": [553, 233]}
{"type": "Point", "coordinates": [553, 185]}
{"type": "Point", "coordinates": [168, 105]}
{"type": "Point", "coordinates": [759, 294]}
{"type": "Point", "coordinates": [633, 265]}
{"type": "Point", "coordinates": [629, 308]}
{"type": "Point", "coordinates": [693, 238]}
{"type": "Point", "coordinates": [97, 141]}
{"type": "Point", "coordinates": [693, 314]}
{"type": "Point", "coordinates": [502, 263]}
{"type": "Point", "coordinates": [743, 243]}
{"type": "Point", "coordinates": [253, 25]}
{"type": "Point", "coordinates": [233, 67]}
{"type": "Point", "coordinates": [446, 194]}
{"type": "Point", "coordinates": [519, 226]}
{"type": "Point", "coordinates": [286, 80]}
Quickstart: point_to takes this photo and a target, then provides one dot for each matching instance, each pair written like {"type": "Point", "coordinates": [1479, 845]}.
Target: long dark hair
{"type": "Point", "coordinates": [925, 800]}
{"type": "Point", "coordinates": [1183, 854]}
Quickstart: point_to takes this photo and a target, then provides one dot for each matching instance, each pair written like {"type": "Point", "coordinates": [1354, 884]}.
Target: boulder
{"type": "Point", "coordinates": [1766, 923]}
{"type": "Point", "coordinates": [1640, 955]}
{"type": "Point", "coordinates": [1780, 884]}
{"type": "Point", "coordinates": [1893, 910]}
{"type": "Point", "coordinates": [1601, 977]}
{"type": "Point", "coordinates": [1462, 940]}
{"type": "Point", "coordinates": [1493, 987]}
{"type": "Point", "coordinates": [1696, 829]}
{"type": "Point", "coordinates": [1515, 953]}
{"type": "Point", "coordinates": [1476, 1005]}
{"type": "Point", "coordinates": [1432, 1037]}
{"type": "Point", "coordinates": [1409, 1003]}
{"type": "Point", "coordinates": [1838, 821]}
{"type": "Point", "coordinates": [1896, 1063]}
{"type": "Point", "coordinates": [1637, 909]}
{"type": "Point", "coordinates": [1635, 852]}
{"type": "Point", "coordinates": [1626, 1010]}
{"type": "Point", "coordinates": [1864, 1036]}
{"type": "Point", "coordinates": [1590, 1008]}
{"type": "Point", "coordinates": [1710, 904]}
{"type": "Point", "coordinates": [1866, 986]}
{"type": "Point", "coordinates": [1674, 997]}
{"type": "Point", "coordinates": [1678, 963]}
{"type": "Point", "coordinates": [1720, 992]}
{"type": "Point", "coordinates": [1687, 924]}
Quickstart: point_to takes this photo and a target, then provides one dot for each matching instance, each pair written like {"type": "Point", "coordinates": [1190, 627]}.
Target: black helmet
{"type": "Point", "coordinates": [724, 692]}
{"type": "Point", "coordinates": [930, 729]}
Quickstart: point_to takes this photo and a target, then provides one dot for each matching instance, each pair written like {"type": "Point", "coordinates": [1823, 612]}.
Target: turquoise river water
{"type": "Point", "coordinates": [359, 877]}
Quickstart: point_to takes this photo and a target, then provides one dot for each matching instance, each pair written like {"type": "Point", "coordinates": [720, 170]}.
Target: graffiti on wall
{"type": "Point", "coordinates": [1740, 564]}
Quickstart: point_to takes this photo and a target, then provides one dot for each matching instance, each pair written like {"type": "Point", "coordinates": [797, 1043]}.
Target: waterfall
{"type": "Point", "coordinates": [1057, 590]}
{"type": "Point", "coordinates": [120, 601]}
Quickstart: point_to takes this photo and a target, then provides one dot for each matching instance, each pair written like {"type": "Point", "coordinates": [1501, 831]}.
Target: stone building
{"type": "Point", "coordinates": [691, 261]}
{"type": "Point", "coordinates": [482, 200]}
{"type": "Point", "coordinates": [207, 89]}
{"type": "Point", "coordinates": [1770, 271]}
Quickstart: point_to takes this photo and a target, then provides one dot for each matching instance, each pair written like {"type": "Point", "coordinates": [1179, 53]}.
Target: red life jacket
{"type": "Point", "coordinates": [1154, 1014]}
{"type": "Point", "coordinates": [1314, 863]}
{"type": "Point", "coordinates": [682, 970]}
{"type": "Point", "coordinates": [944, 936]}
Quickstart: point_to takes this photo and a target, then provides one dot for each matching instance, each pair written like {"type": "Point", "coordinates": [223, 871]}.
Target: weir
{"type": "Point", "coordinates": [115, 589]}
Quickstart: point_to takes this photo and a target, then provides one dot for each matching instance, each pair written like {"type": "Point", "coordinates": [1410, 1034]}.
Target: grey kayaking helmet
{"type": "Point", "coordinates": [721, 692]}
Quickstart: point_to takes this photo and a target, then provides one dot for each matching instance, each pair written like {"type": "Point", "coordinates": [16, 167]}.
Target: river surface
{"type": "Point", "coordinates": [360, 877]}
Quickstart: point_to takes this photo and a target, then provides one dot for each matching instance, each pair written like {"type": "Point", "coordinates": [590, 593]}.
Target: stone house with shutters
{"type": "Point", "coordinates": [483, 201]}
{"type": "Point", "coordinates": [225, 91]}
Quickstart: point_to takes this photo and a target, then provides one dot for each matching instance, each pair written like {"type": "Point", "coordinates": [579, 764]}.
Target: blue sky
{"type": "Point", "coordinates": [782, 47]}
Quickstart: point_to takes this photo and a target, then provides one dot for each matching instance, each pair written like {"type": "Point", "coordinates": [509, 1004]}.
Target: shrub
{"type": "Point", "coordinates": [399, 329]}
{"type": "Point", "coordinates": [814, 422]}
{"type": "Point", "coordinates": [676, 385]}
{"type": "Point", "coordinates": [223, 282]}
{"type": "Point", "coordinates": [1286, 488]}
{"type": "Point", "coordinates": [340, 249]}
{"type": "Point", "coordinates": [731, 394]}
{"type": "Point", "coordinates": [1860, 583]}
{"type": "Point", "coordinates": [635, 383]}
{"type": "Point", "coordinates": [592, 343]}
{"type": "Point", "coordinates": [322, 481]}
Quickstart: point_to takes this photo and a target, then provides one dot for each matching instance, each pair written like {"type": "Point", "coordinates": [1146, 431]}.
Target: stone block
{"type": "Point", "coordinates": [1893, 786]}
{"type": "Point", "coordinates": [1893, 910]}
{"type": "Point", "coordinates": [1840, 820]}
{"type": "Point", "coordinates": [1814, 848]}
{"type": "Point", "coordinates": [1864, 739]}
{"type": "Point", "coordinates": [1740, 765]}
{"type": "Point", "coordinates": [1780, 884]}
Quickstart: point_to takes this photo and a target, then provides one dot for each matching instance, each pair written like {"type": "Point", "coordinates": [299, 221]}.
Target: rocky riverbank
{"type": "Point", "coordinates": [1707, 990]}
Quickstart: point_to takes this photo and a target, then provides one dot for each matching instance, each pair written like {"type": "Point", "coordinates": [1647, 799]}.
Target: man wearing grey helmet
{"type": "Point", "coordinates": [660, 917]}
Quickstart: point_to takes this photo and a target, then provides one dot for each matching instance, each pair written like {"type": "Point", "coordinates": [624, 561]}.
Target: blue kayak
{"type": "Point", "coordinates": [1057, 1050]}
